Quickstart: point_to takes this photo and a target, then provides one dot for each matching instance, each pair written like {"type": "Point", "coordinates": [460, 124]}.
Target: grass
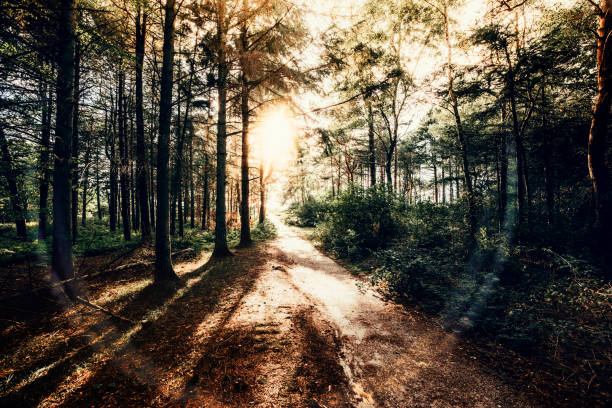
{"type": "Point", "coordinates": [96, 238]}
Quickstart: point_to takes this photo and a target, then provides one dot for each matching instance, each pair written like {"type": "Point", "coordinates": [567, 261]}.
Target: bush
{"type": "Point", "coordinates": [359, 220]}
{"type": "Point", "coordinates": [264, 231]}
{"type": "Point", "coordinates": [423, 277]}
{"type": "Point", "coordinates": [308, 213]}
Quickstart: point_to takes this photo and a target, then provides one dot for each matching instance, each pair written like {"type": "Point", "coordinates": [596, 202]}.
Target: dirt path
{"type": "Point", "coordinates": [388, 357]}
{"type": "Point", "coordinates": [277, 325]}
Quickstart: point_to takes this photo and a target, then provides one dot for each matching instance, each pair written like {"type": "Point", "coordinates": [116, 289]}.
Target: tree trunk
{"type": "Point", "coordinates": [113, 171]}
{"type": "Point", "coordinates": [371, 149]}
{"type": "Point", "coordinates": [152, 132]}
{"type": "Point", "coordinates": [245, 220]}
{"type": "Point", "coordinates": [141, 161]}
{"type": "Point", "coordinates": [221, 249]}
{"type": "Point", "coordinates": [191, 182]}
{"type": "Point", "coordinates": [163, 261]}
{"type": "Point", "coordinates": [85, 186]}
{"type": "Point", "coordinates": [262, 194]}
{"type": "Point", "coordinates": [523, 203]}
{"type": "Point", "coordinates": [124, 164]}
{"type": "Point", "coordinates": [395, 170]}
{"type": "Point", "coordinates": [45, 170]}
{"type": "Point", "coordinates": [175, 181]}
{"type": "Point", "coordinates": [459, 127]}
{"type": "Point", "coordinates": [61, 258]}
{"type": "Point", "coordinates": [450, 182]}
{"type": "Point", "coordinates": [443, 184]}
{"type": "Point", "coordinates": [599, 170]}
{"type": "Point", "coordinates": [11, 178]}
{"type": "Point", "coordinates": [112, 205]}
{"type": "Point", "coordinates": [99, 204]}
{"type": "Point", "coordinates": [503, 171]}
{"type": "Point", "coordinates": [205, 202]}
{"type": "Point", "coordinates": [548, 182]}
{"type": "Point", "coordinates": [75, 141]}
{"type": "Point", "coordinates": [435, 171]}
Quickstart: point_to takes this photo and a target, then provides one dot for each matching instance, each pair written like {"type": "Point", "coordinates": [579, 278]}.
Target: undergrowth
{"type": "Point", "coordinates": [530, 299]}
{"type": "Point", "coordinates": [96, 238]}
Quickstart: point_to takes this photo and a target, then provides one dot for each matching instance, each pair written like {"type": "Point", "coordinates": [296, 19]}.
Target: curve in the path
{"type": "Point", "coordinates": [390, 357]}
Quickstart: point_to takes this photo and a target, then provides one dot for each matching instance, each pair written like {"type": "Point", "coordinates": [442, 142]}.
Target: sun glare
{"type": "Point", "coordinates": [275, 133]}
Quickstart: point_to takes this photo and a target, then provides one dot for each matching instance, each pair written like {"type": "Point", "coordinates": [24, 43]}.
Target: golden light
{"type": "Point", "coordinates": [275, 133]}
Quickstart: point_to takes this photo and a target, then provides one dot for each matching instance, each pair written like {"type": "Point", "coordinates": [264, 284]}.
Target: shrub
{"type": "Point", "coordinates": [359, 219]}
{"type": "Point", "coordinates": [264, 231]}
{"type": "Point", "coordinates": [308, 213]}
{"type": "Point", "coordinates": [423, 277]}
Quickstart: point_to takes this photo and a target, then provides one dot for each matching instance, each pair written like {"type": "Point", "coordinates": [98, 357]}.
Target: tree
{"type": "Point", "coordinates": [11, 177]}
{"type": "Point", "coordinates": [45, 168]}
{"type": "Point", "coordinates": [123, 155]}
{"type": "Point", "coordinates": [163, 262]}
{"type": "Point", "coordinates": [459, 127]}
{"type": "Point", "coordinates": [245, 219]}
{"type": "Point", "coordinates": [221, 249]}
{"type": "Point", "coordinates": [599, 170]}
{"type": "Point", "coordinates": [141, 164]}
{"type": "Point", "coordinates": [75, 140]}
{"type": "Point", "coordinates": [61, 255]}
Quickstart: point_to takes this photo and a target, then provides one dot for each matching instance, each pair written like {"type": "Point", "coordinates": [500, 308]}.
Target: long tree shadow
{"type": "Point", "coordinates": [35, 314]}
{"type": "Point", "coordinates": [47, 372]}
{"type": "Point", "coordinates": [156, 356]}
{"type": "Point", "coordinates": [62, 359]}
{"type": "Point", "coordinates": [39, 377]}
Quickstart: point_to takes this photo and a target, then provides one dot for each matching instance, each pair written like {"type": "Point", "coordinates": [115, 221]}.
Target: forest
{"type": "Point", "coordinates": [310, 204]}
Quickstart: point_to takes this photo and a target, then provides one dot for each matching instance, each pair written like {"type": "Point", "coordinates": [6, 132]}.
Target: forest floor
{"type": "Point", "coordinates": [277, 325]}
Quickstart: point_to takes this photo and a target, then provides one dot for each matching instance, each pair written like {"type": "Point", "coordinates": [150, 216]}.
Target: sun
{"type": "Point", "coordinates": [275, 133]}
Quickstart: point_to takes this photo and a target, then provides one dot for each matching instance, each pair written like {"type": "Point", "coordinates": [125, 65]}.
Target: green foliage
{"type": "Point", "coordinates": [264, 231]}
{"type": "Point", "coordinates": [417, 275]}
{"type": "Point", "coordinates": [533, 301]}
{"type": "Point", "coordinates": [96, 238]}
{"type": "Point", "coordinates": [308, 213]}
{"type": "Point", "coordinates": [195, 238]}
{"type": "Point", "coordinates": [556, 303]}
{"type": "Point", "coordinates": [12, 249]}
{"type": "Point", "coordinates": [358, 220]}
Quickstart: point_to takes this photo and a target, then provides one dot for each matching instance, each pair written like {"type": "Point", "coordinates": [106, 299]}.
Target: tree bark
{"type": "Point", "coordinates": [599, 170]}
{"type": "Point", "coordinates": [124, 163]}
{"type": "Point", "coordinates": [175, 182]}
{"type": "Point", "coordinates": [75, 141]}
{"type": "Point", "coordinates": [98, 200]}
{"type": "Point", "coordinates": [262, 194]}
{"type": "Point", "coordinates": [113, 173]}
{"type": "Point", "coordinates": [371, 149]}
{"type": "Point", "coordinates": [245, 220]}
{"type": "Point", "coordinates": [163, 261]}
{"type": "Point", "coordinates": [205, 202]}
{"type": "Point", "coordinates": [141, 161]}
{"type": "Point", "coordinates": [435, 171]}
{"type": "Point", "coordinates": [191, 182]}
{"type": "Point", "coordinates": [11, 178]}
{"type": "Point", "coordinates": [459, 128]}
{"type": "Point", "coordinates": [85, 186]}
{"type": "Point", "coordinates": [221, 249]}
{"type": "Point", "coordinates": [61, 255]}
{"type": "Point", "coordinates": [503, 171]}
{"type": "Point", "coordinates": [45, 170]}
{"type": "Point", "coordinates": [443, 182]}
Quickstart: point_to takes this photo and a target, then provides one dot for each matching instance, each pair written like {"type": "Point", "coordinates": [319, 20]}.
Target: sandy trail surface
{"type": "Point", "coordinates": [388, 357]}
